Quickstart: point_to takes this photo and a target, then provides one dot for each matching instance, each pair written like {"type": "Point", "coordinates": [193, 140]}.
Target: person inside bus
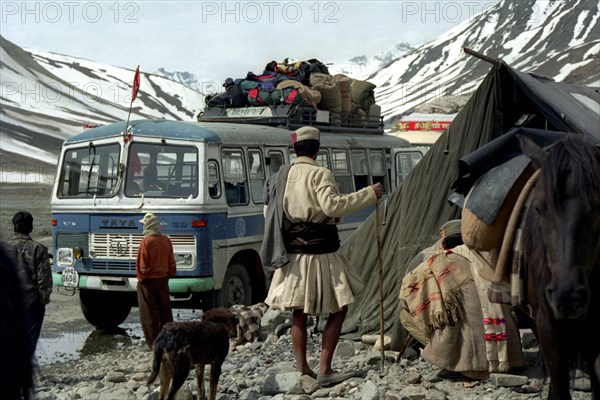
{"type": "Point", "coordinates": [151, 182]}
{"type": "Point", "coordinates": [155, 265]}
{"type": "Point", "coordinates": [132, 188]}
{"type": "Point", "coordinates": [317, 279]}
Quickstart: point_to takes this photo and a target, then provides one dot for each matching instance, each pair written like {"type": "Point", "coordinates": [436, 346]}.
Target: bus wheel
{"type": "Point", "coordinates": [104, 310]}
{"type": "Point", "coordinates": [236, 287]}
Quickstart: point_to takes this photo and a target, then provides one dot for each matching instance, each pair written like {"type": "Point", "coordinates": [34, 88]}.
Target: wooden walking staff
{"type": "Point", "coordinates": [380, 268]}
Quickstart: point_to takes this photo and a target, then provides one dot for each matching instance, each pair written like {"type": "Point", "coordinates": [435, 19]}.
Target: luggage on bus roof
{"type": "Point", "coordinates": [296, 93]}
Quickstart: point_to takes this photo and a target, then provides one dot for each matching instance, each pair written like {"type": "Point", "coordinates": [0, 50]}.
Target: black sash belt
{"type": "Point", "coordinates": [310, 238]}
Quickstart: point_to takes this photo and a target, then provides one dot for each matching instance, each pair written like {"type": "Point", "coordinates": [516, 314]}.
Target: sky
{"type": "Point", "coordinates": [219, 39]}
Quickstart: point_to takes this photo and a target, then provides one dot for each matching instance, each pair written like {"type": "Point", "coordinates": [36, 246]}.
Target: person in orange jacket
{"type": "Point", "coordinates": [154, 266]}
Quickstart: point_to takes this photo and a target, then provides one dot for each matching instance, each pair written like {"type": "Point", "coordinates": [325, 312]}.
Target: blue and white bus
{"type": "Point", "coordinates": [204, 180]}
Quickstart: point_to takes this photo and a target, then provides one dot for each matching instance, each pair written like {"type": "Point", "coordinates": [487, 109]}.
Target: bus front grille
{"type": "Point", "coordinates": [121, 246]}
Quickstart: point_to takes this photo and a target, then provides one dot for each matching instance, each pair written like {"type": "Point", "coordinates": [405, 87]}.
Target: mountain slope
{"type": "Point", "coordinates": [47, 98]}
{"type": "Point", "coordinates": [202, 85]}
{"type": "Point", "coordinates": [361, 67]}
{"type": "Point", "coordinates": [557, 39]}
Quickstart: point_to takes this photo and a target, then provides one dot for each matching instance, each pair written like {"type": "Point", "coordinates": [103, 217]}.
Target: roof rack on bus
{"type": "Point", "coordinates": [293, 117]}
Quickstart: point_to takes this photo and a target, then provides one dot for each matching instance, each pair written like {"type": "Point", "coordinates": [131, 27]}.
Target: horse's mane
{"type": "Point", "coordinates": [570, 157]}
{"type": "Point", "coordinates": [576, 158]}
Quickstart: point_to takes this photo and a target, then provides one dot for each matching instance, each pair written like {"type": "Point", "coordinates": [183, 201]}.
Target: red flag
{"type": "Point", "coordinates": [136, 84]}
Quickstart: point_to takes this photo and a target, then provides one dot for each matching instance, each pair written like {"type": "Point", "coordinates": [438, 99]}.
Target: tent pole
{"type": "Point", "coordinates": [497, 62]}
{"type": "Point", "coordinates": [380, 264]}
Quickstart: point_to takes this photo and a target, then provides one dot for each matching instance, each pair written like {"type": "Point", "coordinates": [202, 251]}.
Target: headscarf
{"type": "Point", "coordinates": [151, 224]}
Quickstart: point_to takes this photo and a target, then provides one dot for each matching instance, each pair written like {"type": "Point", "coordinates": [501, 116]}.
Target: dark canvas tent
{"type": "Point", "coordinates": [505, 99]}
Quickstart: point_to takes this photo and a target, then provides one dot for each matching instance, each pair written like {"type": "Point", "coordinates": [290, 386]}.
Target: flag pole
{"type": "Point", "coordinates": [134, 92]}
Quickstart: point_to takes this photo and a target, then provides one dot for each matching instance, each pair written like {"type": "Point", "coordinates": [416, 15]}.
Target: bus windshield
{"type": "Point", "coordinates": [160, 170]}
{"type": "Point", "coordinates": [89, 171]}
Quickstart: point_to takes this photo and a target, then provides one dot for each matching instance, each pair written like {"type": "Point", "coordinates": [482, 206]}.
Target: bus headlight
{"type": "Point", "coordinates": [64, 257]}
{"type": "Point", "coordinates": [184, 260]}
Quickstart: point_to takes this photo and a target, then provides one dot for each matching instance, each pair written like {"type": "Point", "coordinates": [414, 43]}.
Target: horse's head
{"type": "Point", "coordinates": [567, 200]}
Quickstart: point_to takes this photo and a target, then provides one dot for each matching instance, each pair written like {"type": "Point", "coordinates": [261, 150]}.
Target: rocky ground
{"type": "Point", "coordinates": [78, 362]}
{"type": "Point", "coordinates": [116, 366]}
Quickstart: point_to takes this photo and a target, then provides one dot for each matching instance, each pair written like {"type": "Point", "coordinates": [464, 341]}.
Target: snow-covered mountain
{"type": "Point", "coordinates": [49, 97]}
{"type": "Point", "coordinates": [557, 39]}
{"type": "Point", "coordinates": [202, 85]}
{"type": "Point", "coordinates": [361, 67]}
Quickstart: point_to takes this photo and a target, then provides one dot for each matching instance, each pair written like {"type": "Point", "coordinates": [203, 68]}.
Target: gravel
{"type": "Point", "coordinates": [265, 369]}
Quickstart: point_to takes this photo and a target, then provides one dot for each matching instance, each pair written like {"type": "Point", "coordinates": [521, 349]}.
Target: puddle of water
{"type": "Point", "coordinates": [76, 339]}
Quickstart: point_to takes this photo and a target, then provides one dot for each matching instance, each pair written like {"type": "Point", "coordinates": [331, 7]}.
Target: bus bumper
{"type": "Point", "coordinates": [129, 284]}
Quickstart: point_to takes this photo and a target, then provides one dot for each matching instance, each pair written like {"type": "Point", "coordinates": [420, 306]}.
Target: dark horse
{"type": "Point", "coordinates": [561, 253]}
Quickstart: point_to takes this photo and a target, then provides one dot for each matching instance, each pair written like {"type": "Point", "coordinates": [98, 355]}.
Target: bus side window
{"type": "Point", "coordinates": [256, 174]}
{"type": "Point", "coordinates": [323, 159]}
{"type": "Point", "coordinates": [360, 169]}
{"type": "Point", "coordinates": [214, 188]}
{"type": "Point", "coordinates": [275, 161]}
{"type": "Point", "coordinates": [405, 162]}
{"type": "Point", "coordinates": [379, 169]}
{"type": "Point", "coordinates": [234, 177]}
{"type": "Point", "coordinates": [292, 155]}
{"type": "Point", "coordinates": [341, 170]}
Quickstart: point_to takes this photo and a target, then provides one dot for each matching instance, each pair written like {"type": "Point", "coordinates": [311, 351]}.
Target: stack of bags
{"type": "Point", "coordinates": [350, 102]}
